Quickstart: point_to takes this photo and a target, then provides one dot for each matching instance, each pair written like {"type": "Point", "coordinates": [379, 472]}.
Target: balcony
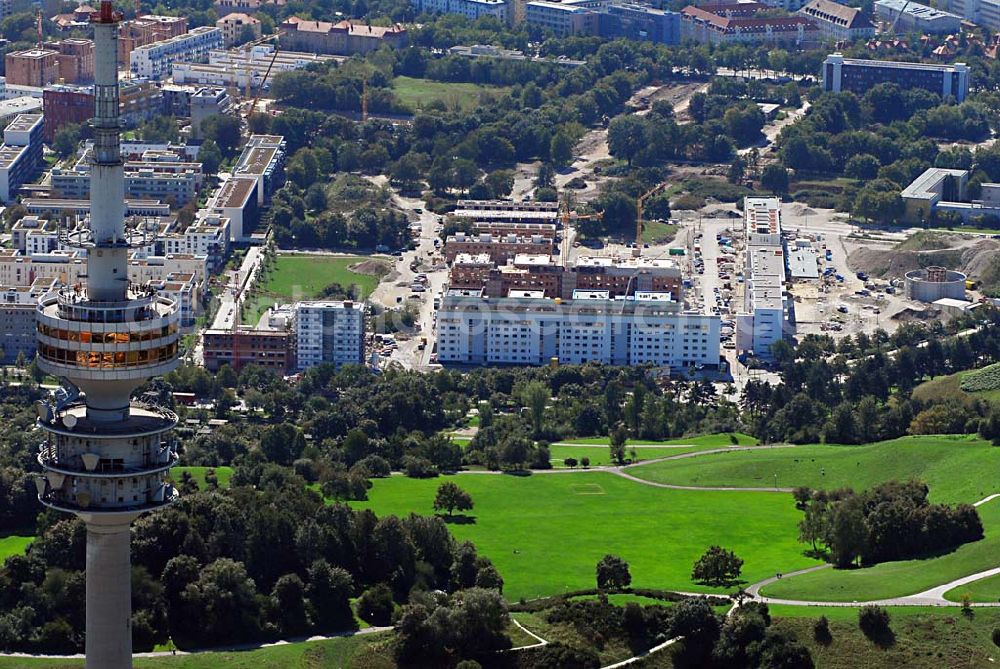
{"type": "Point", "coordinates": [144, 419]}
{"type": "Point", "coordinates": [48, 458]}
{"type": "Point", "coordinates": [60, 501]}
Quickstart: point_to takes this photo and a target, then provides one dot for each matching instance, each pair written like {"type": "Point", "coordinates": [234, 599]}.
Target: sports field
{"type": "Point", "coordinates": [418, 93]}
{"type": "Point", "coordinates": [952, 466]}
{"type": "Point", "coordinates": [301, 277]}
{"type": "Point", "coordinates": [546, 532]}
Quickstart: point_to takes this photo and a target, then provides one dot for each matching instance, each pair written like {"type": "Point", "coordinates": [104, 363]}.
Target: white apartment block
{"type": "Point", "coordinates": [32, 234]}
{"type": "Point", "coordinates": [767, 313]}
{"type": "Point", "coordinates": [471, 9]}
{"type": "Point", "coordinates": [154, 61]}
{"type": "Point", "coordinates": [20, 155]}
{"type": "Point", "coordinates": [526, 328]}
{"type": "Point", "coordinates": [329, 332]}
{"type": "Point", "coordinates": [237, 68]}
{"type": "Point", "coordinates": [183, 289]}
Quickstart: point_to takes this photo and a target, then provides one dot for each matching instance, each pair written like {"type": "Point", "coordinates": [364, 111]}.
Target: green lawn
{"type": "Point", "coordinates": [942, 388]}
{"type": "Point", "coordinates": [895, 579]}
{"type": "Point", "coordinates": [545, 533]}
{"type": "Point", "coordinates": [368, 651]}
{"type": "Point", "coordinates": [418, 93]}
{"type": "Point", "coordinates": [710, 440]}
{"type": "Point", "coordinates": [301, 277]}
{"type": "Point", "coordinates": [13, 544]}
{"type": "Point", "coordinates": [222, 473]}
{"type": "Point", "coordinates": [601, 455]}
{"type": "Point", "coordinates": [952, 466]}
{"type": "Point", "coordinates": [985, 590]}
{"type": "Point", "coordinates": [925, 638]}
{"type": "Point", "coordinates": [657, 232]}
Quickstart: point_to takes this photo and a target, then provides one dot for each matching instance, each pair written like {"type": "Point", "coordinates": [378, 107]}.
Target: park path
{"type": "Point", "coordinates": [620, 470]}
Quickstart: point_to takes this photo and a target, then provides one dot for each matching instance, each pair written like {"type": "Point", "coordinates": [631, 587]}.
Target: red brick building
{"type": "Point", "coordinates": [270, 349]}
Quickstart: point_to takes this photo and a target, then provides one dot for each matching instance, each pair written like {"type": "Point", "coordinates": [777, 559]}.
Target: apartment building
{"type": "Point", "coordinates": [147, 29]}
{"type": "Point", "coordinates": [183, 289]}
{"type": "Point", "coordinates": [139, 101]}
{"type": "Point", "coordinates": [525, 328]}
{"type": "Point", "coordinates": [767, 311]}
{"type": "Point", "coordinates": [208, 236]}
{"type": "Point", "coordinates": [161, 179]}
{"type": "Point", "coordinates": [914, 17]}
{"type": "Point", "coordinates": [32, 235]}
{"type": "Point", "coordinates": [56, 207]}
{"type": "Point", "coordinates": [32, 67]}
{"type": "Point", "coordinates": [238, 28]}
{"type": "Point", "coordinates": [344, 38]}
{"type": "Point", "coordinates": [507, 212]}
{"type": "Point", "coordinates": [985, 13]}
{"type": "Point", "coordinates": [624, 276]}
{"type": "Point", "coordinates": [719, 24]}
{"type": "Point", "coordinates": [20, 155]}
{"type": "Point", "coordinates": [330, 332]}
{"type": "Point", "coordinates": [18, 305]}
{"type": "Point", "coordinates": [270, 349]}
{"type": "Point", "coordinates": [470, 9]}
{"type": "Point", "coordinates": [838, 22]}
{"type": "Point", "coordinates": [154, 61]}
{"type": "Point", "coordinates": [143, 267]}
{"type": "Point", "coordinates": [499, 248]}
{"type": "Point", "coordinates": [206, 102]}
{"type": "Point", "coordinates": [858, 75]}
{"type": "Point", "coordinates": [236, 68]}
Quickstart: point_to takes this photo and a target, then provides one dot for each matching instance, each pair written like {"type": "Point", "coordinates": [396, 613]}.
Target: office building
{"type": "Point", "coordinates": [20, 155]}
{"type": "Point", "coordinates": [470, 9]}
{"type": "Point", "coordinates": [838, 22]}
{"type": "Point", "coordinates": [154, 61]}
{"type": "Point", "coordinates": [329, 332]}
{"type": "Point", "coordinates": [767, 312]}
{"type": "Point", "coordinates": [723, 24]}
{"type": "Point", "coordinates": [525, 328]}
{"type": "Point", "coordinates": [563, 19]}
{"type": "Point", "coordinates": [344, 38]}
{"type": "Point", "coordinates": [206, 102]}
{"type": "Point", "coordinates": [238, 28]}
{"type": "Point", "coordinates": [640, 23]}
{"type": "Point", "coordinates": [237, 201]}
{"type": "Point", "coordinates": [263, 159]}
{"type": "Point", "coordinates": [859, 75]}
{"type": "Point", "coordinates": [913, 17]}
{"type": "Point", "coordinates": [105, 458]}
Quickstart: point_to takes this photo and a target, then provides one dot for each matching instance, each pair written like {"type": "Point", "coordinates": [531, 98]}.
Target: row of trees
{"type": "Point", "coordinates": [892, 521]}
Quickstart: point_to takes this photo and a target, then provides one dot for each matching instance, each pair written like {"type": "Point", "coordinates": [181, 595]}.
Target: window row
{"type": "Point", "coordinates": [115, 360]}
{"type": "Point", "coordinates": [107, 337]}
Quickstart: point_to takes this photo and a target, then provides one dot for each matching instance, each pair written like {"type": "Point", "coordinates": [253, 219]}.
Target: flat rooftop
{"type": "Point", "coordinates": [256, 160]}
{"type": "Point", "coordinates": [235, 193]}
{"type": "Point", "coordinates": [922, 188]}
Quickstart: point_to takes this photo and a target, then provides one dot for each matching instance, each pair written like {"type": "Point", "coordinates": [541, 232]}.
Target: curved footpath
{"type": "Point", "coordinates": [932, 597]}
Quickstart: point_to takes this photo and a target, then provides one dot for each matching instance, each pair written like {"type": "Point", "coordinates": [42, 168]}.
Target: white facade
{"type": "Point", "coordinates": [329, 332]}
{"type": "Point", "coordinates": [471, 9]}
{"type": "Point", "coordinates": [154, 61]}
{"type": "Point", "coordinates": [766, 311]}
{"type": "Point", "coordinates": [528, 329]}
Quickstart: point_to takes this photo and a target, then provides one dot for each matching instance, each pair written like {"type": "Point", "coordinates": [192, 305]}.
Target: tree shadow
{"type": "Point", "coordinates": [459, 519]}
{"type": "Point", "coordinates": [884, 639]}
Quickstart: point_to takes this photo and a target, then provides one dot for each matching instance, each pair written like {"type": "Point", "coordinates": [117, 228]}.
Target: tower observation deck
{"type": "Point", "coordinates": [105, 457]}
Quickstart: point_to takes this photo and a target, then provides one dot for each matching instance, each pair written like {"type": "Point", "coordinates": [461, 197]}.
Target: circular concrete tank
{"type": "Point", "coordinates": [934, 283]}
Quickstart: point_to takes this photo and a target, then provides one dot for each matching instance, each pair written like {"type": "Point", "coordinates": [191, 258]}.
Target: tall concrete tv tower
{"type": "Point", "coordinates": [105, 456]}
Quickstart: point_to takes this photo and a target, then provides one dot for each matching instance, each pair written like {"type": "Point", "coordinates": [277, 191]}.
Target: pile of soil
{"type": "Point", "coordinates": [370, 268]}
{"type": "Point", "coordinates": [977, 259]}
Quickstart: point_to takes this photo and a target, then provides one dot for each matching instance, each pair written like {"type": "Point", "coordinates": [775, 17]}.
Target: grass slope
{"type": "Point", "coordinates": [707, 440]}
{"type": "Point", "coordinates": [418, 93]}
{"type": "Point", "coordinates": [951, 466]}
{"type": "Point", "coordinates": [896, 579]}
{"type": "Point", "coordinates": [925, 638]}
{"type": "Point", "coordinates": [13, 544]}
{"type": "Point", "coordinates": [367, 651]}
{"type": "Point", "coordinates": [600, 456]}
{"type": "Point", "coordinates": [546, 532]}
{"type": "Point", "coordinates": [950, 387]}
{"type": "Point", "coordinates": [302, 277]}
{"type": "Point", "coordinates": [985, 590]}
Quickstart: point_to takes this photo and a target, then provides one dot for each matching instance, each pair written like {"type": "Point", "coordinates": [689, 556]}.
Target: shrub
{"type": "Point", "coordinates": [996, 636]}
{"type": "Point", "coordinates": [584, 462]}
{"type": "Point", "coordinates": [821, 631]}
{"type": "Point", "coordinates": [418, 468]}
{"type": "Point", "coordinates": [375, 605]}
{"type": "Point", "coordinates": [569, 462]}
{"type": "Point", "coordinates": [987, 378]}
{"type": "Point", "coordinates": [688, 201]}
{"type": "Point", "coordinates": [874, 621]}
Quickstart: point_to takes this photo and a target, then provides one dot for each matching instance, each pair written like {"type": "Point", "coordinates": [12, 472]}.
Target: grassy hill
{"type": "Point", "coordinates": [951, 465]}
